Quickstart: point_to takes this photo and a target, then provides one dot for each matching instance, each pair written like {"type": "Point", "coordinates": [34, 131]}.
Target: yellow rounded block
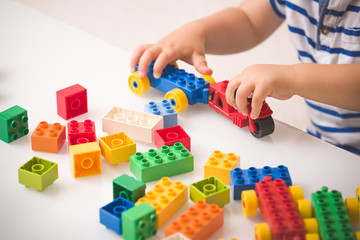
{"type": "Point", "coordinates": [138, 85]}
{"type": "Point", "coordinates": [208, 78]}
{"type": "Point", "coordinates": [262, 231]}
{"type": "Point", "coordinates": [296, 193]}
{"type": "Point", "coordinates": [352, 207]}
{"type": "Point", "coordinates": [249, 203]}
{"type": "Point", "coordinates": [305, 209]}
{"type": "Point", "coordinates": [311, 225]}
{"type": "Point", "coordinates": [312, 236]}
{"type": "Point", "coordinates": [178, 99]}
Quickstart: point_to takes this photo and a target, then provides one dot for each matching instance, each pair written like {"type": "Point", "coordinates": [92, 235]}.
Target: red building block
{"type": "Point", "coordinates": [169, 136]}
{"type": "Point", "coordinates": [81, 132]}
{"type": "Point", "coordinates": [198, 222]}
{"type": "Point", "coordinates": [71, 101]}
{"type": "Point", "coordinates": [48, 137]}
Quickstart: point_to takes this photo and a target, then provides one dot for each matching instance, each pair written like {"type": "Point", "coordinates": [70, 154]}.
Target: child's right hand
{"type": "Point", "coordinates": [186, 43]}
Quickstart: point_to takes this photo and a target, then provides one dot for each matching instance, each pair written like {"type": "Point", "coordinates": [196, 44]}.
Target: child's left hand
{"type": "Point", "coordinates": [258, 82]}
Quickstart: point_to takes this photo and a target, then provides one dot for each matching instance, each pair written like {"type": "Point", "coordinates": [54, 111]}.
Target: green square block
{"type": "Point", "coordinates": [139, 222]}
{"type": "Point", "coordinates": [38, 173]}
{"type": "Point", "coordinates": [13, 124]}
{"type": "Point", "coordinates": [211, 190]}
{"type": "Point", "coordinates": [331, 214]}
{"type": "Point", "coordinates": [128, 187]}
{"type": "Point", "coordinates": [164, 162]}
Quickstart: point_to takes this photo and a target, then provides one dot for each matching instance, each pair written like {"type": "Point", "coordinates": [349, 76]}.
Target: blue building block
{"type": "Point", "coordinates": [245, 179]}
{"type": "Point", "coordinates": [111, 214]}
{"type": "Point", "coordinates": [164, 109]}
{"type": "Point", "coordinates": [196, 89]}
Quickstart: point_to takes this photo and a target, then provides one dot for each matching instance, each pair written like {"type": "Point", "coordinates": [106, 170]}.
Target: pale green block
{"type": "Point", "coordinates": [38, 173]}
{"type": "Point", "coordinates": [211, 190]}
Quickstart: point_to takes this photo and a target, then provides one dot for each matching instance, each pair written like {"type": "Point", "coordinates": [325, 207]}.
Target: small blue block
{"type": "Point", "coordinates": [164, 109]}
{"type": "Point", "coordinates": [241, 180]}
{"type": "Point", "coordinates": [110, 214]}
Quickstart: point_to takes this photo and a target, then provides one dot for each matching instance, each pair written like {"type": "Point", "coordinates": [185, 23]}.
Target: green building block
{"type": "Point", "coordinates": [164, 162]}
{"type": "Point", "coordinates": [128, 187]}
{"type": "Point", "coordinates": [13, 124]}
{"type": "Point", "coordinates": [331, 214]}
{"type": "Point", "coordinates": [211, 190]}
{"type": "Point", "coordinates": [139, 222]}
{"type": "Point", "coordinates": [38, 173]}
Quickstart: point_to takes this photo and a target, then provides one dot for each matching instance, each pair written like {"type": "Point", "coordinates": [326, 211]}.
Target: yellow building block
{"type": "Point", "coordinates": [117, 148]}
{"type": "Point", "coordinates": [167, 197]}
{"type": "Point", "coordinates": [85, 159]}
{"type": "Point", "coordinates": [219, 165]}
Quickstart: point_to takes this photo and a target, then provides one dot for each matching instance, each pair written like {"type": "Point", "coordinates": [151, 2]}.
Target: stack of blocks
{"type": "Point", "coordinates": [167, 197]}
{"type": "Point", "coordinates": [71, 101]}
{"type": "Point", "coordinates": [164, 109]}
{"type": "Point", "coordinates": [166, 161]}
{"type": "Point", "coordinates": [128, 188]}
{"type": "Point", "coordinates": [85, 159]}
{"type": "Point", "coordinates": [199, 222]}
{"type": "Point", "coordinates": [13, 124]}
{"type": "Point", "coordinates": [220, 164]}
{"type": "Point", "coordinates": [245, 179]}
{"type": "Point", "coordinates": [38, 173]}
{"type": "Point", "coordinates": [48, 137]}
{"type": "Point", "coordinates": [169, 136]}
{"type": "Point", "coordinates": [211, 190]}
{"type": "Point", "coordinates": [117, 148]}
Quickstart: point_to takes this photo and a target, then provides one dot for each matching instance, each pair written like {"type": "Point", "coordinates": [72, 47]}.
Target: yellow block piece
{"type": "Point", "coordinates": [167, 197]}
{"type": "Point", "coordinates": [117, 148]}
{"type": "Point", "coordinates": [219, 165]}
{"type": "Point", "coordinates": [85, 159]}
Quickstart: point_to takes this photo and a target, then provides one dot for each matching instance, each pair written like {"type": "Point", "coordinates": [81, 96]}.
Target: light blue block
{"type": "Point", "coordinates": [164, 109]}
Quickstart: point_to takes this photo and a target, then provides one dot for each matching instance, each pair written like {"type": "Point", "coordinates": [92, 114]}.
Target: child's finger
{"type": "Point", "coordinates": [146, 59]}
{"type": "Point", "coordinates": [135, 56]}
{"type": "Point", "coordinates": [241, 97]}
{"type": "Point", "coordinates": [257, 101]}
{"type": "Point", "coordinates": [230, 92]}
{"type": "Point", "coordinates": [200, 64]}
{"type": "Point", "coordinates": [163, 59]}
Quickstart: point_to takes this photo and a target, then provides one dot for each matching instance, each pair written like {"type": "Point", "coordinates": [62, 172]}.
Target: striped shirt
{"type": "Point", "coordinates": [326, 32]}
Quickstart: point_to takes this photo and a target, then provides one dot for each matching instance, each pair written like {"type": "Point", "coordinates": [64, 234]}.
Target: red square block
{"type": "Point", "coordinates": [48, 137]}
{"type": "Point", "coordinates": [81, 132]}
{"type": "Point", "coordinates": [71, 101]}
{"type": "Point", "coordinates": [169, 136]}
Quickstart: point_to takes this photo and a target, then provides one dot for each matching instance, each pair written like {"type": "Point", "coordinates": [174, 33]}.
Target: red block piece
{"type": "Point", "coordinates": [169, 136]}
{"type": "Point", "coordinates": [48, 137]}
{"type": "Point", "coordinates": [81, 132]}
{"type": "Point", "coordinates": [71, 101]}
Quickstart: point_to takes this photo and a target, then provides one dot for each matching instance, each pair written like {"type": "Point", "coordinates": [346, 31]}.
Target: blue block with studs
{"type": "Point", "coordinates": [164, 109]}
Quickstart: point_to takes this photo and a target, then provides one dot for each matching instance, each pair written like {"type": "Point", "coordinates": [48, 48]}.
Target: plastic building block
{"type": "Point", "coordinates": [128, 187]}
{"type": "Point", "coordinates": [245, 179]}
{"type": "Point", "coordinates": [167, 197]}
{"type": "Point", "coordinates": [85, 159]}
{"type": "Point", "coordinates": [166, 161]}
{"type": "Point", "coordinates": [117, 148]}
{"type": "Point", "coordinates": [176, 236]}
{"type": "Point", "coordinates": [110, 214]}
{"type": "Point", "coordinates": [139, 222]}
{"type": "Point", "coordinates": [164, 109]}
{"type": "Point", "coordinates": [199, 222]}
{"type": "Point", "coordinates": [139, 126]}
{"type": "Point", "coordinates": [278, 209]}
{"type": "Point", "coordinates": [81, 132]}
{"type": "Point", "coordinates": [38, 173]}
{"type": "Point", "coordinates": [169, 136]}
{"type": "Point", "coordinates": [219, 165]}
{"type": "Point", "coordinates": [211, 190]}
{"type": "Point", "coordinates": [13, 124]}
{"type": "Point", "coordinates": [260, 127]}
{"type": "Point", "coordinates": [71, 101]}
{"type": "Point", "coordinates": [331, 214]}
{"type": "Point", "coordinates": [48, 137]}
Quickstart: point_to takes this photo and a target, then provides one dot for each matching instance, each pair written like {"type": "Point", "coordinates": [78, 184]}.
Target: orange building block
{"type": "Point", "coordinates": [199, 222]}
{"type": "Point", "coordinates": [167, 197]}
{"type": "Point", "coordinates": [117, 148]}
{"type": "Point", "coordinates": [85, 159]}
{"type": "Point", "coordinates": [48, 137]}
{"type": "Point", "coordinates": [219, 165]}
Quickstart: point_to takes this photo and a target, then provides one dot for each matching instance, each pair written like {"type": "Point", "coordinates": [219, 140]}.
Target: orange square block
{"type": "Point", "coordinates": [48, 137]}
{"type": "Point", "coordinates": [219, 165]}
{"type": "Point", "coordinates": [198, 222]}
{"type": "Point", "coordinates": [117, 148]}
{"type": "Point", "coordinates": [85, 159]}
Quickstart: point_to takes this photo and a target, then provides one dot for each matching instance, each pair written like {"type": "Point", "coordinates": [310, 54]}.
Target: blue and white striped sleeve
{"type": "Point", "coordinates": [279, 7]}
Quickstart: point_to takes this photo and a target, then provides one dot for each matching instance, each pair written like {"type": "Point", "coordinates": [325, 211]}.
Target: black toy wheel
{"type": "Point", "coordinates": [264, 127]}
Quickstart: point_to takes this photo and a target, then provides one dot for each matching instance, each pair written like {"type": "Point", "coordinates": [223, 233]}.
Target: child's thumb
{"type": "Point", "coordinates": [200, 64]}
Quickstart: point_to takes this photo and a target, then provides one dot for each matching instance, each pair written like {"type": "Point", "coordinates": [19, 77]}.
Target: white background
{"type": "Point", "coordinates": [39, 56]}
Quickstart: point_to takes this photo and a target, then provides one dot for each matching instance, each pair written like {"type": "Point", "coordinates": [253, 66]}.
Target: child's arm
{"type": "Point", "coordinates": [228, 31]}
{"type": "Point", "coordinates": [335, 84]}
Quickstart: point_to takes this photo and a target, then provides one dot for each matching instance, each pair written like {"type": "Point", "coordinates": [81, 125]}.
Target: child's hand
{"type": "Point", "coordinates": [260, 81]}
{"type": "Point", "coordinates": [187, 43]}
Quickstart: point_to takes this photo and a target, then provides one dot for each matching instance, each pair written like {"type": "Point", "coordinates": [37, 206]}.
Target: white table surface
{"type": "Point", "coordinates": [39, 55]}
